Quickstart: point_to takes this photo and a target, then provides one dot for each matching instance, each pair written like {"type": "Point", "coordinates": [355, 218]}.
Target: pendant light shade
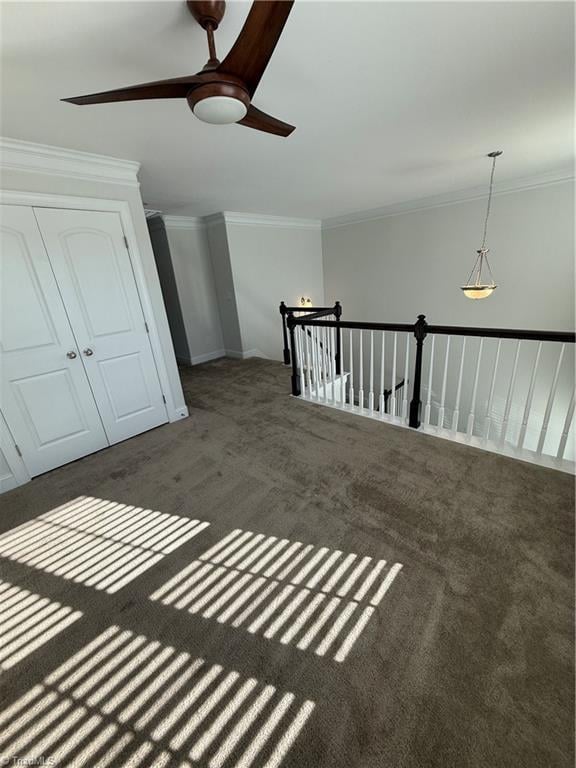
{"type": "Point", "coordinates": [480, 283]}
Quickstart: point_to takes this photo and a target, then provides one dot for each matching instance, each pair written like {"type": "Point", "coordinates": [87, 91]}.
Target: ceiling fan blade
{"type": "Point", "coordinates": [255, 44]}
{"type": "Point", "coordinates": [259, 120]}
{"type": "Point", "coordinates": [177, 87]}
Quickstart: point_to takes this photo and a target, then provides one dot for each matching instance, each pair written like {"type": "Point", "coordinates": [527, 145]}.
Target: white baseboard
{"type": "Point", "coordinates": [197, 359]}
{"type": "Point", "coordinates": [206, 357]}
{"type": "Point", "coordinates": [245, 355]}
{"type": "Point", "coordinates": [178, 414]}
{"type": "Point", "coordinates": [254, 353]}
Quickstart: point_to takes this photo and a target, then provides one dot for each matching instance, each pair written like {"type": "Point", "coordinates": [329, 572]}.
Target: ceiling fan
{"type": "Point", "coordinates": [222, 91]}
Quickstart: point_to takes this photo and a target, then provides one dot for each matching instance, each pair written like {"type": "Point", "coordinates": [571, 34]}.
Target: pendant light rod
{"type": "Point", "coordinates": [475, 287]}
{"type": "Point", "coordinates": [493, 155]}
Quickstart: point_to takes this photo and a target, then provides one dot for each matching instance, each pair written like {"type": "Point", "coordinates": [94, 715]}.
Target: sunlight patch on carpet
{"type": "Point", "coordinates": [127, 700]}
{"type": "Point", "coordinates": [315, 598]}
{"type": "Point", "coordinates": [28, 621]}
{"type": "Point", "coordinates": [97, 542]}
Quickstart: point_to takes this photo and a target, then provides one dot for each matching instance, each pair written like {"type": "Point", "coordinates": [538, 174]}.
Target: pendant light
{"type": "Point", "coordinates": [477, 287]}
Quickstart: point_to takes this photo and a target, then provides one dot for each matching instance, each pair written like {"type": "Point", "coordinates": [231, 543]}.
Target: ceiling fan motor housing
{"type": "Point", "coordinates": [219, 103]}
{"type": "Point", "coordinates": [207, 12]}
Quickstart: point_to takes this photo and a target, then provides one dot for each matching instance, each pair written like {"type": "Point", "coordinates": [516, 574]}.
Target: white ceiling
{"type": "Point", "coordinates": [392, 100]}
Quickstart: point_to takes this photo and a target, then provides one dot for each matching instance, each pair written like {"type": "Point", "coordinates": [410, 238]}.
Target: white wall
{"type": "Point", "coordinates": [272, 263]}
{"type": "Point", "coordinates": [196, 289]}
{"type": "Point", "coordinates": [232, 272]}
{"type": "Point", "coordinates": [224, 284]}
{"type": "Point", "coordinates": [393, 268]}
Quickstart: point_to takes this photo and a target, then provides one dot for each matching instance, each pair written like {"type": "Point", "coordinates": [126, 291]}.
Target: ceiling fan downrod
{"type": "Point", "coordinates": [209, 14]}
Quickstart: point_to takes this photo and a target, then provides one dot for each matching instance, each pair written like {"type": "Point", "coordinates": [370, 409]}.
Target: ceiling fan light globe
{"type": "Point", "coordinates": [220, 110]}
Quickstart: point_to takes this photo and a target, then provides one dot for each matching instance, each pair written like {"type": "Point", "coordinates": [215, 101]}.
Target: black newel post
{"type": "Point", "coordinates": [286, 351]}
{"type": "Point", "coordinates": [416, 402]}
{"type": "Point", "coordinates": [295, 376]}
{"type": "Point", "coordinates": [338, 355]}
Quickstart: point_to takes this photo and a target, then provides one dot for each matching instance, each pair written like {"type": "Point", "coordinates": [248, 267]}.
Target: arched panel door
{"type": "Point", "coordinates": [45, 395]}
{"type": "Point", "coordinates": [94, 273]}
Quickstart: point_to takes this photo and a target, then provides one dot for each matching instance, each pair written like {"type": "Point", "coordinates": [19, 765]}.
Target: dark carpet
{"type": "Point", "coordinates": [465, 659]}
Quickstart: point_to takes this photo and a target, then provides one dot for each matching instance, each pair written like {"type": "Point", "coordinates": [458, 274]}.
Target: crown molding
{"type": "Point", "coordinates": [241, 219]}
{"type": "Point", "coordinates": [17, 155]}
{"type": "Point", "coordinates": [451, 198]}
{"type": "Point", "coordinates": [183, 222]}
{"type": "Point", "coordinates": [263, 220]}
{"type": "Point", "coordinates": [214, 220]}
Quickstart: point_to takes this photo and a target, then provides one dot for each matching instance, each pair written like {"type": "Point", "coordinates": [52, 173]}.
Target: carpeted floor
{"type": "Point", "coordinates": [461, 657]}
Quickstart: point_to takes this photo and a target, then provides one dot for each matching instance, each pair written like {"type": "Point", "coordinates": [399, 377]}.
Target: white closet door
{"type": "Point", "coordinates": [94, 273]}
{"type": "Point", "coordinates": [45, 395]}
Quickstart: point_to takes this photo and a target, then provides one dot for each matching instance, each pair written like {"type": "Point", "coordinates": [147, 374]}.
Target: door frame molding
{"type": "Point", "coordinates": [122, 208]}
{"type": "Point", "coordinates": [20, 474]}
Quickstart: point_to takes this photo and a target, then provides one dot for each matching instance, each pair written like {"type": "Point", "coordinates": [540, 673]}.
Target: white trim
{"type": "Point", "coordinates": [242, 219]}
{"type": "Point", "coordinates": [245, 355]}
{"type": "Point", "coordinates": [183, 222]}
{"type": "Point", "coordinates": [213, 220]}
{"type": "Point", "coordinates": [531, 457]}
{"type": "Point", "coordinates": [204, 358]}
{"type": "Point", "coordinates": [254, 353]}
{"type": "Point", "coordinates": [122, 207]}
{"type": "Point", "coordinates": [262, 220]}
{"type": "Point", "coordinates": [218, 353]}
{"type": "Point", "coordinates": [450, 198]}
{"type": "Point", "coordinates": [20, 474]}
{"type": "Point", "coordinates": [28, 156]}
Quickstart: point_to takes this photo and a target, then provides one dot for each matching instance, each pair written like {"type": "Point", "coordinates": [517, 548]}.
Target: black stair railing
{"type": "Point", "coordinates": [421, 330]}
{"type": "Point", "coordinates": [310, 313]}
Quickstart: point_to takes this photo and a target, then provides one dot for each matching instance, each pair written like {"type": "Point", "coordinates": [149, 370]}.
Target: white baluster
{"type": "Point", "coordinates": [456, 414]}
{"type": "Point", "coordinates": [405, 387]}
{"type": "Point", "coordinates": [317, 360]}
{"type": "Point", "coordinates": [429, 393]}
{"type": "Point", "coordinates": [308, 363]}
{"type": "Point", "coordinates": [361, 373]}
{"type": "Point", "coordinates": [324, 366]}
{"type": "Point", "coordinates": [441, 410]}
{"type": "Point", "coordinates": [488, 417]}
{"type": "Point", "coordinates": [566, 429]}
{"type": "Point", "coordinates": [393, 392]}
{"type": "Point", "coordinates": [351, 387]}
{"type": "Point", "coordinates": [305, 362]}
{"type": "Point", "coordinates": [371, 392]}
{"type": "Point", "coordinates": [529, 396]}
{"type": "Point", "coordinates": [333, 364]}
{"type": "Point", "coordinates": [382, 360]}
{"type": "Point", "coordinates": [300, 365]}
{"type": "Point", "coordinates": [550, 402]}
{"type": "Point", "coordinates": [510, 393]}
{"type": "Point", "coordinates": [472, 414]}
{"type": "Point", "coordinates": [328, 359]}
{"type": "Point", "coordinates": [342, 377]}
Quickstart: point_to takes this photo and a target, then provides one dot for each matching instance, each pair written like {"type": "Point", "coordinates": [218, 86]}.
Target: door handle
{"type": "Point", "coordinates": [88, 352]}
{"type": "Point", "coordinates": [71, 354]}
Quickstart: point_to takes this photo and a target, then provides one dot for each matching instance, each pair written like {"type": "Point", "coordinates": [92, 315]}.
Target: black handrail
{"type": "Point", "coordinates": [565, 337]}
{"type": "Point", "coordinates": [420, 329]}
{"type": "Point", "coordinates": [311, 314]}
{"type": "Point", "coordinates": [285, 309]}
